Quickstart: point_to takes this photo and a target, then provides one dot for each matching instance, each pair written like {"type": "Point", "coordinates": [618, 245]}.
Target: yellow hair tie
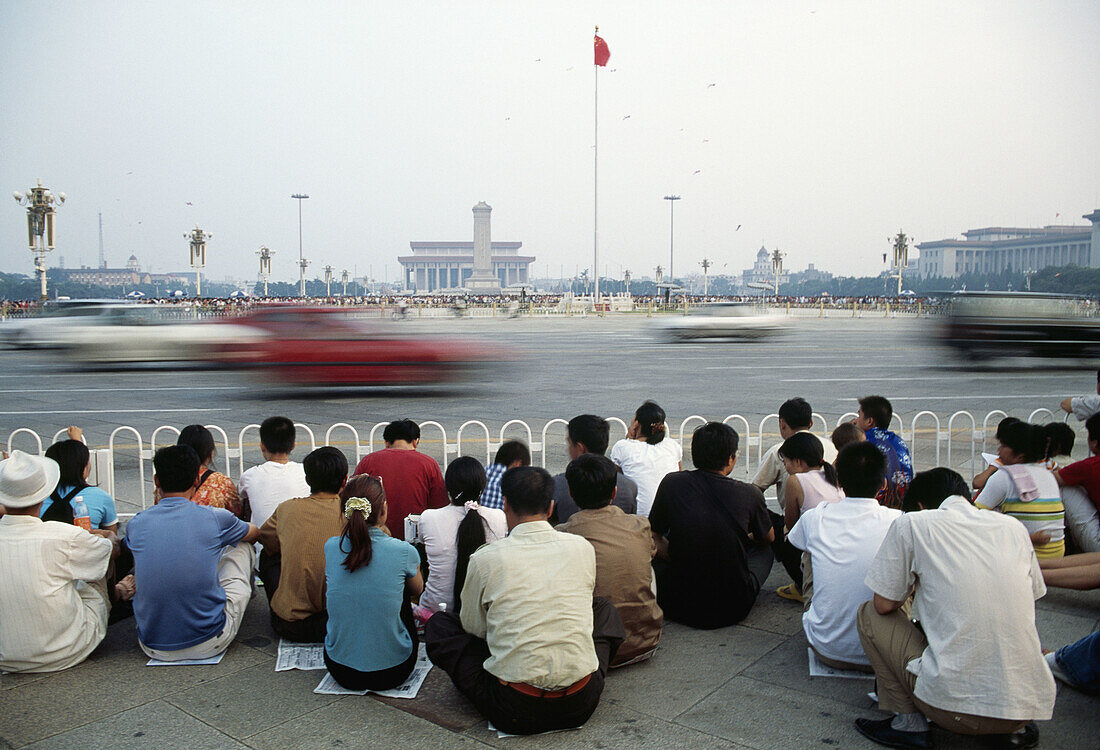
{"type": "Point", "coordinates": [357, 503]}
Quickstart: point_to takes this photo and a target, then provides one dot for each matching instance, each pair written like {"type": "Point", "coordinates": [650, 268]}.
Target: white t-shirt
{"type": "Point", "coordinates": [977, 580]}
{"type": "Point", "coordinates": [647, 465]}
{"type": "Point", "coordinates": [842, 538]}
{"type": "Point", "coordinates": [269, 484]}
{"type": "Point", "coordinates": [438, 529]}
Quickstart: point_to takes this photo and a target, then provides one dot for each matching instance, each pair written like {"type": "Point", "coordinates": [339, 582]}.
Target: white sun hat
{"type": "Point", "coordinates": [26, 480]}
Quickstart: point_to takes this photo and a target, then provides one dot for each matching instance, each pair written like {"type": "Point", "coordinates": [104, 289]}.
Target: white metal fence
{"type": "Point", "coordinates": [120, 465]}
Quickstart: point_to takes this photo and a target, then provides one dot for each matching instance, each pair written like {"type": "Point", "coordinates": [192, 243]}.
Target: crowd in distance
{"type": "Point", "coordinates": [528, 588]}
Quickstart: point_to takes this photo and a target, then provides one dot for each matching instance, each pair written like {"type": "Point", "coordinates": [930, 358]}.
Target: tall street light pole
{"type": "Point", "coordinates": [265, 264]}
{"type": "Point", "coordinates": [40, 214]}
{"type": "Point", "coordinates": [671, 233]}
{"type": "Point", "coordinates": [302, 262]}
{"type": "Point", "coordinates": [198, 240]}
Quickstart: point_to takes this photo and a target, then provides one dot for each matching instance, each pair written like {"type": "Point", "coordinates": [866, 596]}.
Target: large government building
{"type": "Point", "coordinates": [998, 249]}
{"type": "Point", "coordinates": [449, 266]}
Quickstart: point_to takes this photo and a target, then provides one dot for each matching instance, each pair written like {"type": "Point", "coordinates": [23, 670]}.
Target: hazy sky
{"type": "Point", "coordinates": [820, 127]}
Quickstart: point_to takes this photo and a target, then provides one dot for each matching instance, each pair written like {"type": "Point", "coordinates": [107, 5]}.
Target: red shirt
{"type": "Point", "coordinates": [1085, 474]}
{"type": "Point", "coordinates": [412, 481]}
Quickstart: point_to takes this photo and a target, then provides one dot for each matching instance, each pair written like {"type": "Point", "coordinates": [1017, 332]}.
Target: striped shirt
{"type": "Point", "coordinates": [1043, 513]}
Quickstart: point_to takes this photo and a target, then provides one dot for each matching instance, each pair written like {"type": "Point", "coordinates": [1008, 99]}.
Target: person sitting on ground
{"type": "Point", "coordinates": [450, 535]}
{"type": "Point", "coordinates": [510, 454]}
{"type": "Point", "coordinates": [371, 643]}
{"type": "Point", "coordinates": [645, 456]}
{"type": "Point", "coordinates": [53, 593]}
{"type": "Point", "coordinates": [841, 537]}
{"type": "Point", "coordinates": [1078, 664]}
{"type": "Point", "coordinates": [795, 416]}
{"type": "Point", "coordinates": [982, 477]}
{"type": "Point", "coordinates": [278, 478]}
{"type": "Point", "coordinates": [292, 564]}
{"type": "Point", "coordinates": [215, 489]}
{"type": "Point", "coordinates": [844, 434]}
{"type": "Point", "coordinates": [810, 482]}
{"type": "Point", "coordinates": [624, 554]}
{"type": "Point", "coordinates": [412, 480]}
{"type": "Point", "coordinates": [1059, 439]}
{"type": "Point", "coordinates": [1026, 490]}
{"type": "Point", "coordinates": [589, 434]}
{"type": "Point", "coordinates": [531, 646]}
{"type": "Point", "coordinates": [1085, 406]}
{"type": "Point", "coordinates": [192, 564]}
{"type": "Point", "coordinates": [1080, 483]}
{"type": "Point", "coordinates": [875, 413]}
{"type": "Point", "coordinates": [74, 460]}
{"type": "Point", "coordinates": [973, 665]}
{"type": "Point", "coordinates": [712, 534]}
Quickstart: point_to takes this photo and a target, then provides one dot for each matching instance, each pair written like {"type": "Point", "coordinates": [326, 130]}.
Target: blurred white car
{"type": "Point", "coordinates": [45, 329]}
{"type": "Point", "coordinates": [146, 334]}
{"type": "Point", "coordinates": [721, 320]}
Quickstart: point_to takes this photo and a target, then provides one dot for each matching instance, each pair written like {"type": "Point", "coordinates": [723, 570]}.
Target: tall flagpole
{"type": "Point", "coordinates": [596, 178]}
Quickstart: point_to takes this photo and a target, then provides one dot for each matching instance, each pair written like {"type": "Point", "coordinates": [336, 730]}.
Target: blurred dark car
{"type": "Point", "coordinates": [984, 325]}
{"type": "Point", "coordinates": [312, 346]}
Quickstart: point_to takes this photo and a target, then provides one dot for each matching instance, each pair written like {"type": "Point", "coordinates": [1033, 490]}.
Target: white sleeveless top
{"type": "Point", "coordinates": [817, 490]}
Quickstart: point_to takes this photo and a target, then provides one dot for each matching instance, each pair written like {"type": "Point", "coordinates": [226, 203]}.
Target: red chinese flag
{"type": "Point", "coordinates": [603, 54]}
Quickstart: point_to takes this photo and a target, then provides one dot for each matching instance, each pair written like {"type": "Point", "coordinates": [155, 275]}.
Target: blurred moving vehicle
{"type": "Point", "coordinates": [316, 346]}
{"type": "Point", "coordinates": [133, 334]}
{"type": "Point", "coordinates": [986, 325]}
{"type": "Point", "coordinates": [721, 320]}
{"type": "Point", "coordinates": [53, 325]}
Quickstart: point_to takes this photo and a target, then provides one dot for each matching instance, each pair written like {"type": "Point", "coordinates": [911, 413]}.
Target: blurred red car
{"type": "Point", "coordinates": [328, 347]}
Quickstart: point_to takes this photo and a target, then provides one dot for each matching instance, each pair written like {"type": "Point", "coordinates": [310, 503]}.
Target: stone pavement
{"type": "Point", "coordinates": [740, 687]}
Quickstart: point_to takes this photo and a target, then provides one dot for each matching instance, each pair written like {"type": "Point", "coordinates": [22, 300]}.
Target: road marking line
{"type": "Point", "coordinates": [103, 390]}
{"type": "Point", "coordinates": [109, 411]}
{"type": "Point", "coordinates": [959, 398]}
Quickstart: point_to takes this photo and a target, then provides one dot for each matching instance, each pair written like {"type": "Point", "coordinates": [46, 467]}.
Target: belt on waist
{"type": "Point", "coordinates": [536, 692]}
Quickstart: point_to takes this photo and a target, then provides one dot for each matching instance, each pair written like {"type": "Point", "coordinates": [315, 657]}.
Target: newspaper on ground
{"type": "Point", "coordinates": [819, 669]}
{"type": "Point", "coordinates": [185, 662]}
{"type": "Point", "coordinates": [502, 734]}
{"type": "Point", "coordinates": [408, 689]}
{"type": "Point", "coordinates": [304, 656]}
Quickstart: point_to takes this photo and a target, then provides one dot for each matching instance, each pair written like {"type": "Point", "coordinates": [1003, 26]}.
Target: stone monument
{"type": "Point", "coordinates": [482, 280]}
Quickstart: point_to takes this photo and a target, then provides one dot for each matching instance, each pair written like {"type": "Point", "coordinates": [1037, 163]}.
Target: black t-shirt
{"type": "Point", "coordinates": [708, 583]}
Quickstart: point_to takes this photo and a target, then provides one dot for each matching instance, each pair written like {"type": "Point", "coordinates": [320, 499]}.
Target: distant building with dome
{"type": "Point", "coordinates": [130, 275]}
{"type": "Point", "coordinates": [761, 273]}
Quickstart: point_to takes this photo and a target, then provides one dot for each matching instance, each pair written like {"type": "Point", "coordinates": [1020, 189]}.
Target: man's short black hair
{"type": "Point", "coordinates": [797, 413]}
{"type": "Point", "coordinates": [590, 431]}
{"type": "Point", "coordinates": [591, 479]}
{"type": "Point", "coordinates": [1092, 424]}
{"type": "Point", "coordinates": [176, 467]}
{"type": "Point", "coordinates": [878, 409]}
{"type": "Point", "coordinates": [528, 490]}
{"type": "Point", "coordinates": [861, 469]}
{"type": "Point", "coordinates": [511, 451]}
{"type": "Point", "coordinates": [278, 435]}
{"type": "Point", "coordinates": [326, 469]}
{"type": "Point", "coordinates": [401, 429]}
{"type": "Point", "coordinates": [930, 488]}
{"type": "Point", "coordinates": [713, 445]}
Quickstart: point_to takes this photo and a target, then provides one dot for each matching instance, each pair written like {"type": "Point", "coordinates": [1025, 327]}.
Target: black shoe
{"type": "Point", "coordinates": [881, 732]}
{"type": "Point", "coordinates": [1027, 738]}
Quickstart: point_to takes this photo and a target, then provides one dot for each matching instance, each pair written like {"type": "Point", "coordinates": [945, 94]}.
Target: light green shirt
{"type": "Point", "coordinates": [529, 596]}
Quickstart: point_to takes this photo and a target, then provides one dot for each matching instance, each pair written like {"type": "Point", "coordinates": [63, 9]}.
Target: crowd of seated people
{"type": "Point", "coordinates": [528, 606]}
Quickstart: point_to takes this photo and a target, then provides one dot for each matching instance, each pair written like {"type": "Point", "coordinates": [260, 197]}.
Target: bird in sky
{"type": "Point", "coordinates": [706, 140]}
{"type": "Point", "coordinates": [697, 171]}
{"type": "Point", "coordinates": [711, 85]}
{"type": "Point", "coordinates": [189, 203]}
{"type": "Point", "coordinates": [507, 118]}
{"type": "Point", "coordinates": [626, 117]}
{"type": "Point", "coordinates": [538, 59]}
{"type": "Point", "coordinates": [738, 227]}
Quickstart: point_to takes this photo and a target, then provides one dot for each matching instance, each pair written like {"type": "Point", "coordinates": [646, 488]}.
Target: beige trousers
{"type": "Point", "coordinates": [891, 642]}
{"type": "Point", "coordinates": [235, 576]}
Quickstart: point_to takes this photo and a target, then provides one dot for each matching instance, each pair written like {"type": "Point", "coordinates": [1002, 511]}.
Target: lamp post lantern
{"type": "Point", "coordinates": [626, 281]}
{"type": "Point", "coordinates": [328, 280]}
{"type": "Point", "coordinates": [302, 262]}
{"type": "Point", "coordinates": [40, 226]}
{"type": "Point", "coordinates": [901, 255]}
{"type": "Point", "coordinates": [344, 277]}
{"type": "Point", "coordinates": [265, 264]}
{"type": "Point", "coordinates": [671, 232]}
{"type": "Point", "coordinates": [777, 268]}
{"type": "Point", "coordinates": [706, 264]}
{"type": "Point", "coordinates": [198, 240]}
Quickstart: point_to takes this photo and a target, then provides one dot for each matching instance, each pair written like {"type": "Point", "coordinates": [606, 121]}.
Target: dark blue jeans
{"type": "Point", "coordinates": [1081, 662]}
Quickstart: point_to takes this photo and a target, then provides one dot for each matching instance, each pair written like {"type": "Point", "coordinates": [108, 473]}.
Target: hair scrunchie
{"type": "Point", "coordinates": [471, 505]}
{"type": "Point", "coordinates": [353, 504]}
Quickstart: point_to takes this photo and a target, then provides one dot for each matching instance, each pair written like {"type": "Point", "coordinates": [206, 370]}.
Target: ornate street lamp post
{"type": "Point", "coordinates": [344, 277]}
{"type": "Point", "coordinates": [198, 240]}
{"type": "Point", "coordinates": [328, 280]}
{"type": "Point", "coordinates": [777, 268]}
{"type": "Point", "coordinates": [40, 226]}
{"type": "Point", "coordinates": [265, 264]}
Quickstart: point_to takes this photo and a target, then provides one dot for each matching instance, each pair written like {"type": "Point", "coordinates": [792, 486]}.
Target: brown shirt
{"type": "Point", "coordinates": [624, 556]}
{"type": "Point", "coordinates": [298, 530]}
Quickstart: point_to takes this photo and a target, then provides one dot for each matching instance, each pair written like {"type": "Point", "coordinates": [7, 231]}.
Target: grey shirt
{"type": "Point", "coordinates": [626, 497]}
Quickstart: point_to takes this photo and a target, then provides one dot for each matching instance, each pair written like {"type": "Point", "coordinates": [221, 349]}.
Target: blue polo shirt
{"type": "Point", "coordinates": [365, 631]}
{"type": "Point", "coordinates": [177, 546]}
